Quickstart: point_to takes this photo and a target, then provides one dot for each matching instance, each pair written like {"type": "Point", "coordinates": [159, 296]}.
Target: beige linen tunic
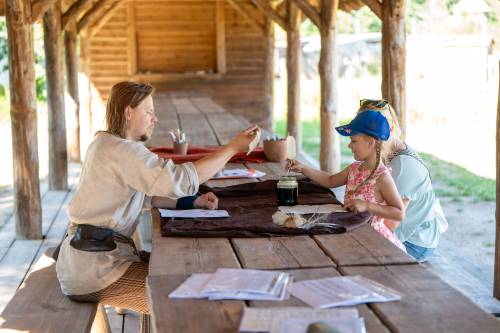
{"type": "Point", "coordinates": [118, 179]}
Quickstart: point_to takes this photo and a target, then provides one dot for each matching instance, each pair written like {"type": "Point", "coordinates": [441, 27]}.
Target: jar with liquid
{"type": "Point", "coordinates": [288, 191]}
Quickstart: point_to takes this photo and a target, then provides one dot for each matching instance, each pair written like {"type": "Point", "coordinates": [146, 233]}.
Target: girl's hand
{"type": "Point", "coordinates": [295, 166]}
{"type": "Point", "coordinates": [207, 201]}
{"type": "Point", "coordinates": [241, 142]}
{"type": "Point", "coordinates": [357, 206]}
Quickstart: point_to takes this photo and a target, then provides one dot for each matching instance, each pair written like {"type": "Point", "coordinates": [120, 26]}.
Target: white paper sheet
{"type": "Point", "coordinates": [341, 291]}
{"type": "Point", "coordinates": [192, 287]}
{"type": "Point", "coordinates": [245, 280]}
{"type": "Point", "coordinates": [270, 319]}
{"type": "Point", "coordinates": [193, 213]}
{"type": "Point", "coordinates": [355, 325]}
{"type": "Point", "coordinates": [239, 173]}
{"type": "Point", "coordinates": [312, 209]}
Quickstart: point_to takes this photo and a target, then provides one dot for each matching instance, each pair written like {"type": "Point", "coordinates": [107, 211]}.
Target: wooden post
{"type": "Point", "coordinates": [70, 40]}
{"type": "Point", "coordinates": [131, 39]}
{"type": "Point", "coordinates": [496, 283]}
{"type": "Point", "coordinates": [394, 57]}
{"type": "Point", "coordinates": [293, 59]}
{"type": "Point", "coordinates": [53, 43]}
{"type": "Point", "coordinates": [85, 52]}
{"type": "Point", "coordinates": [23, 119]}
{"type": "Point", "coordinates": [269, 75]}
{"type": "Point", "coordinates": [330, 147]}
{"type": "Point", "coordinates": [220, 39]}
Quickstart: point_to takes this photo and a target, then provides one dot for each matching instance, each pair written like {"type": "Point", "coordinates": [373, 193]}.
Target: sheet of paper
{"type": "Point", "coordinates": [355, 325]}
{"type": "Point", "coordinates": [192, 287]}
{"type": "Point", "coordinates": [312, 209]}
{"type": "Point", "coordinates": [194, 213]}
{"type": "Point", "coordinates": [245, 280]}
{"type": "Point", "coordinates": [339, 291]}
{"type": "Point", "coordinates": [269, 319]}
{"type": "Point", "coordinates": [239, 173]}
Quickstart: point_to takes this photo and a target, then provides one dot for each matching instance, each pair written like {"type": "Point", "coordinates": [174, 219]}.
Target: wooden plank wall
{"type": "Point", "coordinates": [177, 36]}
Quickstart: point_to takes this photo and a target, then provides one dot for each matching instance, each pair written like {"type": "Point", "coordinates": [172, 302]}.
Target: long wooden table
{"type": "Point", "coordinates": [428, 304]}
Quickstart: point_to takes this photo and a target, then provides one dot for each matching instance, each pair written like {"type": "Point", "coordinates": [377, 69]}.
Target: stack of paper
{"type": "Point", "coordinates": [285, 319]}
{"type": "Point", "coordinates": [243, 284]}
{"type": "Point", "coordinates": [342, 291]}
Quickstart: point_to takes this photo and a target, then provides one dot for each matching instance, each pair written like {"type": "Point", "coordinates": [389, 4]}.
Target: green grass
{"type": "Point", "coordinates": [458, 182]}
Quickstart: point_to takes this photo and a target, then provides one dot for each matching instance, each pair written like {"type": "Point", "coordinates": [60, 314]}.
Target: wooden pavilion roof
{"type": "Point", "coordinates": [345, 5]}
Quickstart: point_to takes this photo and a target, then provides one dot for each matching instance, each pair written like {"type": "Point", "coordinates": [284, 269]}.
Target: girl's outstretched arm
{"type": "Point", "coordinates": [321, 177]}
{"type": "Point", "coordinates": [393, 209]}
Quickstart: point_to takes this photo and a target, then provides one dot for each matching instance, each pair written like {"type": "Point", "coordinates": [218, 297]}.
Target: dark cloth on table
{"type": "Point", "coordinates": [195, 153]}
{"type": "Point", "coordinates": [251, 207]}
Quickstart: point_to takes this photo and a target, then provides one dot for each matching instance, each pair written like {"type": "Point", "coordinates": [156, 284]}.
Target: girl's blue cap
{"type": "Point", "coordinates": [368, 122]}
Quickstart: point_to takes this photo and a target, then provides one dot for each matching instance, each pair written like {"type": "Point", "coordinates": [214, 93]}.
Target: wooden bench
{"type": "Point", "coordinates": [40, 306]}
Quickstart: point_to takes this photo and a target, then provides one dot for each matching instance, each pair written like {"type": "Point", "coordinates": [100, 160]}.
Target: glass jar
{"type": "Point", "coordinates": [288, 191]}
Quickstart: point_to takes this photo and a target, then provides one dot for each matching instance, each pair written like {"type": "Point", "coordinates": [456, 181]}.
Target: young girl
{"type": "Point", "coordinates": [369, 185]}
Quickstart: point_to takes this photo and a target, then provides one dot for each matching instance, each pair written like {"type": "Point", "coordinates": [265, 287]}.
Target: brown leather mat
{"type": "Point", "coordinates": [251, 207]}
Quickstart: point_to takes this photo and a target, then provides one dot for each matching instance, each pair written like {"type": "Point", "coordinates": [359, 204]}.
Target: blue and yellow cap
{"type": "Point", "coordinates": [368, 122]}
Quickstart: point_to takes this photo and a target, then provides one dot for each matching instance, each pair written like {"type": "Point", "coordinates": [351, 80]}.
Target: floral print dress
{"type": "Point", "coordinates": [366, 192]}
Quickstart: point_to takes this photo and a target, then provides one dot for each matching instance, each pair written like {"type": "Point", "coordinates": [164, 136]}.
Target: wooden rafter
{"type": "Point", "coordinates": [92, 14]}
{"type": "Point", "coordinates": [105, 18]}
{"type": "Point", "coordinates": [38, 8]}
{"type": "Point", "coordinates": [270, 12]}
{"type": "Point", "coordinates": [375, 6]}
{"type": "Point", "coordinates": [253, 20]}
{"type": "Point", "coordinates": [309, 11]}
{"type": "Point", "coordinates": [74, 11]}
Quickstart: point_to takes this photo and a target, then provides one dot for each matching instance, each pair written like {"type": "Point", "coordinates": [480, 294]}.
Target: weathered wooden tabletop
{"type": "Point", "coordinates": [428, 304]}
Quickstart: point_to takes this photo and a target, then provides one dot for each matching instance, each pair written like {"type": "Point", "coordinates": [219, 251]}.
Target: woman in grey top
{"type": "Point", "coordinates": [119, 178]}
{"type": "Point", "coordinates": [420, 229]}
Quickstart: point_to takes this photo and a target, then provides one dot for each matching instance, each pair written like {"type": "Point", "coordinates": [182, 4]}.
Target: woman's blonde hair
{"type": "Point", "coordinates": [124, 94]}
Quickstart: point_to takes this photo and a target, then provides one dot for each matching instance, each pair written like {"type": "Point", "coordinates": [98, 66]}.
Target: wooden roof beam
{"type": "Point", "coordinates": [74, 11]}
{"type": "Point", "coordinates": [271, 13]}
{"type": "Point", "coordinates": [309, 11]}
{"type": "Point", "coordinates": [375, 6]}
{"type": "Point", "coordinates": [92, 14]}
{"type": "Point", "coordinates": [253, 20]}
{"type": "Point", "coordinates": [105, 18]}
{"type": "Point", "coordinates": [38, 8]}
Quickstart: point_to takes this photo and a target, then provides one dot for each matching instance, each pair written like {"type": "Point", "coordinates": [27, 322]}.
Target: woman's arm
{"type": "Point", "coordinates": [321, 177]}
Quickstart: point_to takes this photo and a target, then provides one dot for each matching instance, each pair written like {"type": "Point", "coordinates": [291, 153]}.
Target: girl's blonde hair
{"type": "Point", "coordinates": [124, 94]}
{"type": "Point", "coordinates": [388, 112]}
{"type": "Point", "coordinates": [382, 148]}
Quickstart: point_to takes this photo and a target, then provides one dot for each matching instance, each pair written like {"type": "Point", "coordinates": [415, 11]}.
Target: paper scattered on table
{"type": "Point", "coordinates": [254, 142]}
{"type": "Point", "coordinates": [239, 173]}
{"type": "Point", "coordinates": [355, 325]}
{"type": "Point", "coordinates": [194, 213]}
{"type": "Point", "coordinates": [270, 319]}
{"type": "Point", "coordinates": [312, 209]}
{"type": "Point", "coordinates": [342, 291]}
{"type": "Point", "coordinates": [240, 284]}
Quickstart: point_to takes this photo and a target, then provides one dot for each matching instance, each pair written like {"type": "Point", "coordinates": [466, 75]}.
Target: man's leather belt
{"type": "Point", "coordinates": [95, 239]}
